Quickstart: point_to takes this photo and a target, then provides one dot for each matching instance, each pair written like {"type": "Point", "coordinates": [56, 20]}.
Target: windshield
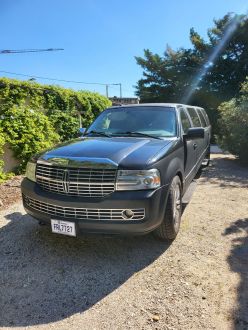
{"type": "Point", "coordinates": [153, 121]}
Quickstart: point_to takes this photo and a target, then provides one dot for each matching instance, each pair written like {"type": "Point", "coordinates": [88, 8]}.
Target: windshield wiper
{"type": "Point", "coordinates": [139, 134]}
{"type": "Point", "coordinates": [98, 133]}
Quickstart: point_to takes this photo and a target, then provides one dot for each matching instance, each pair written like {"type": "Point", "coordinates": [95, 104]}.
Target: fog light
{"type": "Point", "coordinates": [127, 214]}
{"type": "Point", "coordinates": [148, 181]}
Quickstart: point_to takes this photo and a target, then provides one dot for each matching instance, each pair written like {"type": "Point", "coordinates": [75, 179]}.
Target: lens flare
{"type": "Point", "coordinates": [228, 33]}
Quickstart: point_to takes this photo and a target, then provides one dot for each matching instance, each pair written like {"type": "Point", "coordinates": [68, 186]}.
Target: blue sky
{"type": "Point", "coordinates": [100, 38]}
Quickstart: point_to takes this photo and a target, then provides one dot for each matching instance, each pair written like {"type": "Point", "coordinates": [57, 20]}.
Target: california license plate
{"type": "Point", "coordinates": [63, 227]}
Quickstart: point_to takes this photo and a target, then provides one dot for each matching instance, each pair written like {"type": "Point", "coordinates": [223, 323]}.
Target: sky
{"type": "Point", "coordinates": [100, 38]}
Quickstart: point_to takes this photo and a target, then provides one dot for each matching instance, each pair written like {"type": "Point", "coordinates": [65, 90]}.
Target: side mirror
{"type": "Point", "coordinates": [195, 133]}
{"type": "Point", "coordinates": [82, 130]}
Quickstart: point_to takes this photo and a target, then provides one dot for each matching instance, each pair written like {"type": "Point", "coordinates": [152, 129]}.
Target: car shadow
{"type": "Point", "coordinates": [46, 277]}
{"type": "Point", "coordinates": [238, 261]}
{"type": "Point", "coordinates": [226, 172]}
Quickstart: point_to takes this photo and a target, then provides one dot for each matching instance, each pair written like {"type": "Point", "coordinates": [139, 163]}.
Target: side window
{"type": "Point", "coordinates": [185, 121]}
{"type": "Point", "coordinates": [205, 116]}
{"type": "Point", "coordinates": [194, 117]}
{"type": "Point", "coordinates": [203, 120]}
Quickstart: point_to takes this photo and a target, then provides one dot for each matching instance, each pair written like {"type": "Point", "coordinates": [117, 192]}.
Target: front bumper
{"type": "Point", "coordinates": [153, 203]}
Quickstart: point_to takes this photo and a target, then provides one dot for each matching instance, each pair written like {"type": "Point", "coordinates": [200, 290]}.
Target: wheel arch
{"type": "Point", "coordinates": [174, 168]}
{"type": "Point", "coordinates": [180, 175]}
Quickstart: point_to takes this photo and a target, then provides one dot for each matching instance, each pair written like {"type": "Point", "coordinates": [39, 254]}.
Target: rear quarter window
{"type": "Point", "coordinates": [205, 116]}
{"type": "Point", "coordinates": [202, 118]}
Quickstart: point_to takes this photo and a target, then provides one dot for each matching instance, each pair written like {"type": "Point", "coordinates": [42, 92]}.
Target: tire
{"type": "Point", "coordinates": [170, 225]}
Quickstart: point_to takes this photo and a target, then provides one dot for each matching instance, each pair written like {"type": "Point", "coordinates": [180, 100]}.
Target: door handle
{"type": "Point", "coordinates": [195, 145]}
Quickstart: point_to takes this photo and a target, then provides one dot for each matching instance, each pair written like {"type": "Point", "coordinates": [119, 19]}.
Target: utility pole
{"type": "Point", "coordinates": [120, 89]}
{"type": "Point", "coordinates": [107, 86]}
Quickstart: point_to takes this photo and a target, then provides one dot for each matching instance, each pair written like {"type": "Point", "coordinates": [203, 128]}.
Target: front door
{"type": "Point", "coordinates": [190, 152]}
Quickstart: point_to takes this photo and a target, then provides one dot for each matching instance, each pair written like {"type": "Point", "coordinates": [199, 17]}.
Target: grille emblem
{"type": "Point", "coordinates": [66, 181]}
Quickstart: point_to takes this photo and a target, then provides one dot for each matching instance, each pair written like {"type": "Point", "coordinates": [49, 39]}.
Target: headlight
{"type": "Point", "coordinates": [30, 171]}
{"type": "Point", "coordinates": [138, 179]}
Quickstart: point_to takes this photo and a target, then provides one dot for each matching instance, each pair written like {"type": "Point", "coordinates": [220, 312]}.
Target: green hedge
{"type": "Point", "coordinates": [2, 143]}
{"type": "Point", "coordinates": [48, 98]}
{"type": "Point", "coordinates": [34, 117]}
{"type": "Point", "coordinates": [27, 132]}
{"type": "Point", "coordinates": [233, 125]}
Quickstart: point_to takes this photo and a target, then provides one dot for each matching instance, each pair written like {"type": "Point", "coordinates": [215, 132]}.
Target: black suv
{"type": "Point", "coordinates": [127, 174]}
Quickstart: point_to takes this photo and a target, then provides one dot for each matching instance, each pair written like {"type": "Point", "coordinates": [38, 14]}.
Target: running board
{"type": "Point", "coordinates": [205, 162]}
{"type": "Point", "coordinates": [189, 192]}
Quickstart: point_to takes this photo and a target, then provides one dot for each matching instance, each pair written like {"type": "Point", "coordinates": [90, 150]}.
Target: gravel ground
{"type": "Point", "coordinates": [198, 282]}
{"type": "Point", "coordinates": [10, 191]}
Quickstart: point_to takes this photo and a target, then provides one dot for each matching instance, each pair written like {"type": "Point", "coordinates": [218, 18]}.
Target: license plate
{"type": "Point", "coordinates": [63, 227]}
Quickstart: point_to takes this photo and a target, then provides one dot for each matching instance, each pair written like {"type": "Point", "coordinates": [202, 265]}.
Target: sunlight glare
{"type": "Point", "coordinates": [230, 29]}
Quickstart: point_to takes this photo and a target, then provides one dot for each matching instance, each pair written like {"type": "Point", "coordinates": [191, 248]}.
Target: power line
{"type": "Point", "coordinates": [54, 79]}
{"type": "Point", "coordinates": [68, 81]}
{"type": "Point", "coordinates": [14, 51]}
{"type": "Point", "coordinates": [17, 51]}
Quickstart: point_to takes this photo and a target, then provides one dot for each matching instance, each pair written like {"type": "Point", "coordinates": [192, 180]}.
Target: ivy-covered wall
{"type": "Point", "coordinates": [2, 143]}
{"type": "Point", "coordinates": [48, 98]}
{"type": "Point", "coordinates": [35, 116]}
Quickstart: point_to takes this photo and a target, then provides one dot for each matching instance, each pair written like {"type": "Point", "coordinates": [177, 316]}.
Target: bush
{"type": "Point", "coordinates": [27, 132]}
{"type": "Point", "coordinates": [2, 143]}
{"type": "Point", "coordinates": [233, 126]}
{"type": "Point", "coordinates": [66, 125]}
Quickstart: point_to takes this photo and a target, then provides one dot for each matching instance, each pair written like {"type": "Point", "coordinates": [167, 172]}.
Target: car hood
{"type": "Point", "coordinates": [122, 152]}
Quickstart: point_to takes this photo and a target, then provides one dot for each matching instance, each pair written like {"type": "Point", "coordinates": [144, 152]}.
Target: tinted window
{"type": "Point", "coordinates": [185, 121]}
{"type": "Point", "coordinates": [157, 121]}
{"type": "Point", "coordinates": [205, 116]}
{"type": "Point", "coordinates": [203, 120]}
{"type": "Point", "coordinates": [194, 117]}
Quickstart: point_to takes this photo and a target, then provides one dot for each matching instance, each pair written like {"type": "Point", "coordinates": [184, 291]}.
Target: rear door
{"type": "Point", "coordinates": [199, 144]}
{"type": "Point", "coordinates": [189, 149]}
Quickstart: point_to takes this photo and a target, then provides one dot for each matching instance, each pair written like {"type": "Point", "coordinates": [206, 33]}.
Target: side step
{"type": "Point", "coordinates": [189, 192]}
{"type": "Point", "coordinates": [205, 162]}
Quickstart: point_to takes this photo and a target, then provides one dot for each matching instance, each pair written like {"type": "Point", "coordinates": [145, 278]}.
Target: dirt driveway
{"type": "Point", "coordinates": [198, 282]}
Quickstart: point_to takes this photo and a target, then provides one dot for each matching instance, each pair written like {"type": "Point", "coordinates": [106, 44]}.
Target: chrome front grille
{"type": "Point", "coordinates": [82, 213]}
{"type": "Point", "coordinates": [86, 182]}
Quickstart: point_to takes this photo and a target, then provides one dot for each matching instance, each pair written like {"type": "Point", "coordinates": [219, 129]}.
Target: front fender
{"type": "Point", "coordinates": [175, 167]}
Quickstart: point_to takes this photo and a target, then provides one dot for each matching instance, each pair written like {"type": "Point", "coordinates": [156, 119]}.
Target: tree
{"type": "Point", "coordinates": [206, 75]}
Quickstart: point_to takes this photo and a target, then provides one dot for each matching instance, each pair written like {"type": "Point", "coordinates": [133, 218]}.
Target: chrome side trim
{"type": "Point", "coordinates": [197, 163]}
